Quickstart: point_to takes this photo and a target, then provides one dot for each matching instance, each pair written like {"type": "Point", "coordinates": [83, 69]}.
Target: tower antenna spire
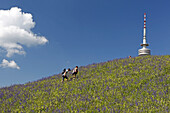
{"type": "Point", "coordinates": [144, 50]}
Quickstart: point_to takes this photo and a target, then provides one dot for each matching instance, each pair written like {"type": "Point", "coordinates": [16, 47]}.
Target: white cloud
{"type": "Point", "coordinates": [7, 64]}
{"type": "Point", "coordinates": [15, 31]}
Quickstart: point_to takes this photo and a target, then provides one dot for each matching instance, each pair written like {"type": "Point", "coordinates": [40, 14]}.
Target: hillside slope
{"type": "Point", "coordinates": [138, 84]}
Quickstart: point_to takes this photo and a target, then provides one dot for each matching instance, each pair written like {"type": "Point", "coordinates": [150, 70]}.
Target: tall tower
{"type": "Point", "coordinates": [144, 50]}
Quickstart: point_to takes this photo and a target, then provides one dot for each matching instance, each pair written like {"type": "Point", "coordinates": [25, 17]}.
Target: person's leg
{"type": "Point", "coordinates": [66, 77]}
{"type": "Point", "coordinates": [63, 78]}
{"type": "Point", "coordinates": [74, 75]}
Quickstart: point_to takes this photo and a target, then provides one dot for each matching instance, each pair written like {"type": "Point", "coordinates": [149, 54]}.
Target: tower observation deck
{"type": "Point", "coordinates": [144, 50]}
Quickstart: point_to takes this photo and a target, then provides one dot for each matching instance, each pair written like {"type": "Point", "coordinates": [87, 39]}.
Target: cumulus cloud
{"type": "Point", "coordinates": [7, 64]}
{"type": "Point", "coordinates": [15, 32]}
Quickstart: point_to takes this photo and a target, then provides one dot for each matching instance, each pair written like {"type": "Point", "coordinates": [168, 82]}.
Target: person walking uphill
{"type": "Point", "coordinates": [65, 74]}
{"type": "Point", "coordinates": [75, 71]}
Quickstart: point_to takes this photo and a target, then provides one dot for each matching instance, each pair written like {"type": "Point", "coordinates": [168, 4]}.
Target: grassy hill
{"type": "Point", "coordinates": [133, 85]}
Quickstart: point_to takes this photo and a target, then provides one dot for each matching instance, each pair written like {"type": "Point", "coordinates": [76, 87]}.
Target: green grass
{"type": "Point", "coordinates": [139, 85]}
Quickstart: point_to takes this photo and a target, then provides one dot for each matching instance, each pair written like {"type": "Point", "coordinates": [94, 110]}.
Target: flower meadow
{"type": "Point", "coordinates": [136, 85]}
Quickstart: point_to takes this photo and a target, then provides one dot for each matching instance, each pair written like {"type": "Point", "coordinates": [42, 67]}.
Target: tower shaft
{"type": "Point", "coordinates": [144, 30]}
{"type": "Point", "coordinates": [144, 50]}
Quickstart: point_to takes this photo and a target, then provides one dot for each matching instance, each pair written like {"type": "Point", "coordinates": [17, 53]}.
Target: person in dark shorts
{"type": "Point", "coordinates": [75, 71]}
{"type": "Point", "coordinates": [65, 74]}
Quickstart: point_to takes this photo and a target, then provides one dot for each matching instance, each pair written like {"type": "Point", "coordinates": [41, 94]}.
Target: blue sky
{"type": "Point", "coordinates": [82, 32]}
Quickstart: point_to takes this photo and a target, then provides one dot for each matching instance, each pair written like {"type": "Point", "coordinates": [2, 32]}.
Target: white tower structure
{"type": "Point", "coordinates": [144, 50]}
